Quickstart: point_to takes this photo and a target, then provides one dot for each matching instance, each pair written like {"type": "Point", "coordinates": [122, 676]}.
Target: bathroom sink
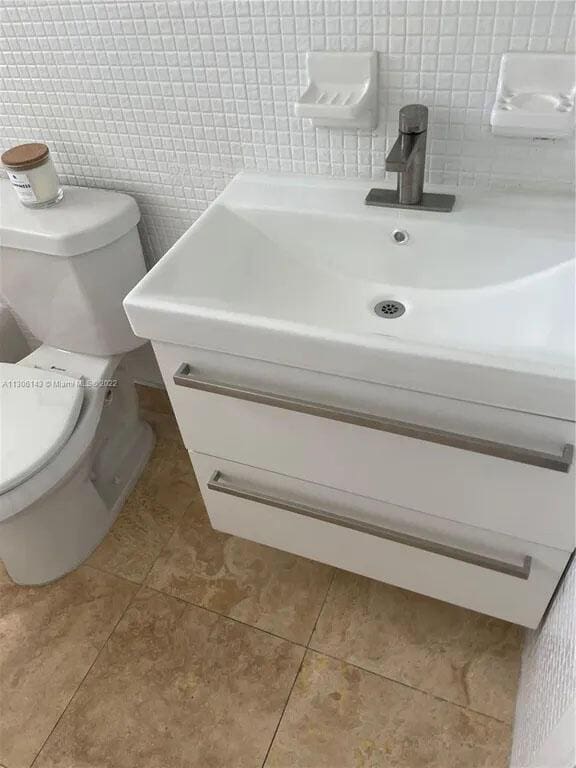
{"type": "Point", "coordinates": [478, 303]}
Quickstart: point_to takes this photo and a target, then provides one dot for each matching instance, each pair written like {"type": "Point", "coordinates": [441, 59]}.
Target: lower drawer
{"type": "Point", "coordinates": [472, 567]}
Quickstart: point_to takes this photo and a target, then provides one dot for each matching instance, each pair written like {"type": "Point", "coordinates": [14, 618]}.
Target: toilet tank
{"type": "Point", "coordinates": [65, 269]}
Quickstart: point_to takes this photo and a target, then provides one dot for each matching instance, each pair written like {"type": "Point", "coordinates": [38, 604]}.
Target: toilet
{"type": "Point", "coordinates": [72, 444]}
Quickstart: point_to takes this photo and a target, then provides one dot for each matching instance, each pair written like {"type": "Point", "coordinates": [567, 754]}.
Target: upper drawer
{"type": "Point", "coordinates": [474, 474]}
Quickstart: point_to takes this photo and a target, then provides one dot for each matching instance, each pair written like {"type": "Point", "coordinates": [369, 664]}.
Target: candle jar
{"type": "Point", "coordinates": [32, 174]}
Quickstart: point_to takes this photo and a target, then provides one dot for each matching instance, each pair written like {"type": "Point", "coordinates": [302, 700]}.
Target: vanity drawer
{"type": "Point", "coordinates": [499, 575]}
{"type": "Point", "coordinates": [471, 463]}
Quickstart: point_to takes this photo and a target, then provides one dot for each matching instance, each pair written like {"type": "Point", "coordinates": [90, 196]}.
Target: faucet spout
{"type": "Point", "coordinates": [405, 150]}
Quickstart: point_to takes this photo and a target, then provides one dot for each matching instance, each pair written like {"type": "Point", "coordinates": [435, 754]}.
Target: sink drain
{"type": "Point", "coordinates": [389, 309]}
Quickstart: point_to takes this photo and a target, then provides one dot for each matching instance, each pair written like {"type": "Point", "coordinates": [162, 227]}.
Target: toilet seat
{"type": "Point", "coordinates": [93, 370]}
{"type": "Point", "coordinates": [39, 410]}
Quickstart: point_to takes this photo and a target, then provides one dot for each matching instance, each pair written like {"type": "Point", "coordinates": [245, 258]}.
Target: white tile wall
{"type": "Point", "coordinates": [547, 690]}
{"type": "Point", "coordinates": [167, 100]}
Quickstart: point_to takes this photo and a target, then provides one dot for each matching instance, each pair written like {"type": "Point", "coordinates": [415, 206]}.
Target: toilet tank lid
{"type": "Point", "coordinates": [85, 219]}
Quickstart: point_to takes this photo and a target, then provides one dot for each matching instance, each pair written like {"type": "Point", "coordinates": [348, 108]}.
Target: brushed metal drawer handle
{"type": "Point", "coordinates": [184, 377]}
{"type": "Point", "coordinates": [218, 484]}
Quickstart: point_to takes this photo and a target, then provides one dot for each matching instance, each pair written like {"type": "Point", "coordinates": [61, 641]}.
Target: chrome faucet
{"type": "Point", "coordinates": [408, 158]}
{"type": "Point", "coordinates": [408, 155]}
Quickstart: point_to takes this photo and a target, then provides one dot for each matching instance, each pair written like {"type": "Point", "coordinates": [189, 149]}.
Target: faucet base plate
{"type": "Point", "coordinates": [388, 198]}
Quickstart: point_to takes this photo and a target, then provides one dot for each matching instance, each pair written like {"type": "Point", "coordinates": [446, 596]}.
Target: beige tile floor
{"type": "Point", "coordinates": [176, 646]}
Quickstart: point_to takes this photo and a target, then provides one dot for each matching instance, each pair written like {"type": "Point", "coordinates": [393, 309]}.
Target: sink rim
{"type": "Point", "coordinates": [251, 334]}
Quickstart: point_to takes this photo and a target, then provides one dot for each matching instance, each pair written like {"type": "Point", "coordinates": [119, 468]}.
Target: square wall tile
{"type": "Point", "coordinates": [168, 100]}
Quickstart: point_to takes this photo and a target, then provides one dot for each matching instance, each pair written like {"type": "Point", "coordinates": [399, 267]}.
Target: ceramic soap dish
{"type": "Point", "coordinates": [342, 90]}
{"type": "Point", "coordinates": [535, 96]}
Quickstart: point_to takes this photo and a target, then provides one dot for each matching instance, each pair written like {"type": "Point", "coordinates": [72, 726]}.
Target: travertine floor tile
{"type": "Point", "coordinates": [340, 716]}
{"type": "Point", "coordinates": [178, 687]}
{"type": "Point", "coordinates": [153, 399]}
{"type": "Point", "coordinates": [170, 462]}
{"type": "Point", "coordinates": [164, 425]}
{"type": "Point", "coordinates": [456, 654]}
{"type": "Point", "coordinates": [152, 511]}
{"type": "Point", "coordinates": [49, 637]}
{"type": "Point", "coordinates": [264, 587]}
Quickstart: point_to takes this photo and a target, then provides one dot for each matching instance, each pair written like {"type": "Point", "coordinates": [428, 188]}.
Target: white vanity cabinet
{"type": "Point", "coordinates": [464, 502]}
{"type": "Point", "coordinates": [432, 450]}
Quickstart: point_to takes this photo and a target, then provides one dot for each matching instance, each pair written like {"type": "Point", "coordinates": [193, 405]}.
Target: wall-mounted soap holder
{"type": "Point", "coordinates": [535, 96]}
{"type": "Point", "coordinates": [342, 90]}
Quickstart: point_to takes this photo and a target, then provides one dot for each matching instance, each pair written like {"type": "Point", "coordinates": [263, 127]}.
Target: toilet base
{"type": "Point", "coordinates": [57, 533]}
{"type": "Point", "coordinates": [144, 441]}
{"type": "Point", "coordinates": [62, 530]}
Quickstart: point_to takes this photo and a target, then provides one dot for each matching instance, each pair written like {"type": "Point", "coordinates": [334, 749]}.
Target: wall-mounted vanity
{"type": "Point", "coordinates": [429, 444]}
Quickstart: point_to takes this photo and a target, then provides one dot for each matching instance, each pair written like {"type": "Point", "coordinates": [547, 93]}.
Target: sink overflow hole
{"type": "Point", "coordinates": [389, 309]}
{"type": "Point", "coordinates": [400, 236]}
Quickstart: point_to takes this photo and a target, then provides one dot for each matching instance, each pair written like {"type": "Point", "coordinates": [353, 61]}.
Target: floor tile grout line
{"type": "Point", "coordinates": [307, 647]}
{"type": "Point", "coordinates": [281, 718]}
{"type": "Point", "coordinates": [81, 683]}
{"type": "Point", "coordinates": [141, 583]}
{"type": "Point", "coordinates": [407, 685]}
{"type": "Point", "coordinates": [334, 571]}
{"type": "Point", "coordinates": [104, 572]}
{"type": "Point", "coordinates": [378, 674]}
{"type": "Point", "coordinates": [169, 539]}
{"type": "Point", "coordinates": [284, 708]}
{"type": "Point", "coordinates": [187, 604]}
{"type": "Point", "coordinates": [224, 616]}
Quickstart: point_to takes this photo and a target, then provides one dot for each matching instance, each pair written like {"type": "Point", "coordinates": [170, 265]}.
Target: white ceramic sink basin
{"type": "Point", "coordinates": [290, 269]}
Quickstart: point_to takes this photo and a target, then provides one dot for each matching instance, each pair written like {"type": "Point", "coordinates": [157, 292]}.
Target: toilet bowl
{"type": "Point", "coordinates": [71, 449]}
{"type": "Point", "coordinates": [71, 442]}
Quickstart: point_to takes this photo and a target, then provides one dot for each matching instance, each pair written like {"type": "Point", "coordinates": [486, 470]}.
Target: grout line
{"type": "Point", "coordinates": [164, 545]}
{"type": "Point", "coordinates": [407, 685]}
{"type": "Point", "coordinates": [160, 553]}
{"type": "Point", "coordinates": [334, 570]}
{"type": "Point", "coordinates": [284, 708]}
{"type": "Point", "coordinates": [224, 616]}
{"type": "Point", "coordinates": [81, 683]}
{"type": "Point", "coordinates": [108, 573]}
{"type": "Point", "coordinates": [306, 645]}
{"type": "Point", "coordinates": [299, 669]}
{"type": "Point", "coordinates": [103, 571]}
{"type": "Point", "coordinates": [142, 583]}
{"type": "Point", "coordinates": [329, 655]}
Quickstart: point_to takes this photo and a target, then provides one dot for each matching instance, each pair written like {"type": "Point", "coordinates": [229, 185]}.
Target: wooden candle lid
{"type": "Point", "coordinates": [25, 156]}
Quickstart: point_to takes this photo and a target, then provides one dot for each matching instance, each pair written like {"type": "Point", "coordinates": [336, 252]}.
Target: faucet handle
{"type": "Point", "coordinates": [413, 118]}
